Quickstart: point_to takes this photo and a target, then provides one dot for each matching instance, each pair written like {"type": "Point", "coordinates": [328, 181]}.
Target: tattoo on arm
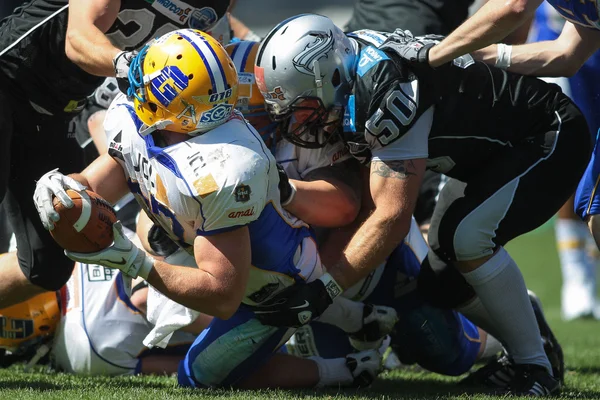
{"type": "Point", "coordinates": [400, 169]}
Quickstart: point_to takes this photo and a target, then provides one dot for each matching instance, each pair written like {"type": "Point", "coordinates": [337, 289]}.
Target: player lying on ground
{"type": "Point", "coordinates": [500, 137]}
{"type": "Point", "coordinates": [91, 327]}
{"type": "Point", "coordinates": [205, 176]}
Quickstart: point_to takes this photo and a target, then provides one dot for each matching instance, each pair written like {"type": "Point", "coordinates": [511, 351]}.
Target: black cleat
{"type": "Point", "coordinates": [551, 346]}
{"type": "Point", "coordinates": [533, 380]}
{"type": "Point", "coordinates": [496, 374]}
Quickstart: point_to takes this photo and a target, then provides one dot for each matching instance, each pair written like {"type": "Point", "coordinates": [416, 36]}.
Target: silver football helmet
{"type": "Point", "coordinates": [305, 69]}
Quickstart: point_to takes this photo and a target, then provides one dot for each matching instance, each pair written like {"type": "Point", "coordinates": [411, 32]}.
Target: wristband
{"type": "Point", "coordinates": [504, 56]}
{"type": "Point", "coordinates": [251, 36]}
{"type": "Point", "coordinates": [146, 267]}
{"type": "Point", "coordinates": [291, 196]}
{"type": "Point", "coordinates": [332, 287]}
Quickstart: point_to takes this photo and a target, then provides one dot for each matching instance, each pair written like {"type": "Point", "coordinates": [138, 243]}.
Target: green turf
{"type": "Point", "coordinates": [535, 253]}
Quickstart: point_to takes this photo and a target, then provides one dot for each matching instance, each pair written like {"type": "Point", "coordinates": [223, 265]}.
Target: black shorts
{"type": "Point", "coordinates": [32, 144]}
{"type": "Point", "coordinates": [516, 191]}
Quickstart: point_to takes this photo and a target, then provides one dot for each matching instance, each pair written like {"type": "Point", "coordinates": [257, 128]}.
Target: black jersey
{"type": "Point", "coordinates": [33, 63]}
{"type": "Point", "coordinates": [476, 109]}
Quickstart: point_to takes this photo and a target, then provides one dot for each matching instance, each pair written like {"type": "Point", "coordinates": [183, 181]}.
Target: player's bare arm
{"type": "Point", "coordinates": [217, 287]}
{"type": "Point", "coordinates": [85, 44]}
{"type": "Point", "coordinates": [104, 176]}
{"type": "Point", "coordinates": [328, 196]}
{"type": "Point", "coordinates": [490, 24]}
{"type": "Point", "coordinates": [394, 189]}
{"type": "Point", "coordinates": [561, 57]}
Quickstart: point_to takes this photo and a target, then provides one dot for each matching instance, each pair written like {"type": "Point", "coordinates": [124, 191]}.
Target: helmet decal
{"type": "Point", "coordinates": [304, 61]}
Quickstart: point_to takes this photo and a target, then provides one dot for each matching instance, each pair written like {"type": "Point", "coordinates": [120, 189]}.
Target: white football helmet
{"type": "Point", "coordinates": [305, 66]}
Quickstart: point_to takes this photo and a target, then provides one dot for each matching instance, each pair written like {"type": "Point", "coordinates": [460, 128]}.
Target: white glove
{"type": "Point", "coordinates": [122, 254]}
{"type": "Point", "coordinates": [121, 64]}
{"type": "Point", "coordinates": [53, 183]}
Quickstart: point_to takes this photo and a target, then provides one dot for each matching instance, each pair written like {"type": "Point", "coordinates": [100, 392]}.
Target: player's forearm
{"type": "Point", "coordinates": [536, 59]}
{"type": "Point", "coordinates": [194, 288]}
{"type": "Point", "coordinates": [321, 203]}
{"type": "Point", "coordinates": [106, 177]}
{"type": "Point", "coordinates": [91, 51]}
{"type": "Point", "coordinates": [373, 242]}
{"type": "Point", "coordinates": [492, 23]}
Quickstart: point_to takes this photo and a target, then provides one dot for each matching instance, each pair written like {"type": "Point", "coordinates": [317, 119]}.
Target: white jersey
{"type": "Point", "coordinates": [101, 331]}
{"type": "Point", "coordinates": [218, 181]}
{"type": "Point", "coordinates": [298, 161]}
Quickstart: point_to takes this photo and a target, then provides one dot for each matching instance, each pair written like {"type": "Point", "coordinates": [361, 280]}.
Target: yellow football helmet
{"type": "Point", "coordinates": [29, 323]}
{"type": "Point", "coordinates": [184, 82]}
{"type": "Point", "coordinates": [250, 101]}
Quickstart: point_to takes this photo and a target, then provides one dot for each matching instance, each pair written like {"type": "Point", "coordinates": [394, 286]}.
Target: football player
{"type": "Point", "coordinates": [206, 177]}
{"type": "Point", "coordinates": [90, 327]}
{"type": "Point", "coordinates": [500, 137]}
{"type": "Point", "coordinates": [54, 54]}
{"type": "Point", "coordinates": [327, 191]}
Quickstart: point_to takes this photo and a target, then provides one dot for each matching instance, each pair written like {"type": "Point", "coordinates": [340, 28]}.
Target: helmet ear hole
{"type": "Point", "coordinates": [191, 76]}
{"type": "Point", "coordinates": [274, 62]}
{"type": "Point", "coordinates": [153, 107]}
{"type": "Point", "coordinates": [179, 56]}
{"type": "Point", "coordinates": [336, 79]}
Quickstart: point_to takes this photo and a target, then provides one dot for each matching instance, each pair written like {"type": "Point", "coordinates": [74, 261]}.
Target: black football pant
{"type": "Point", "coordinates": [32, 144]}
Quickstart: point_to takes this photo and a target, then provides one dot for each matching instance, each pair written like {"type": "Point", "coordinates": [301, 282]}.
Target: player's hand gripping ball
{"type": "Point", "coordinates": [87, 226]}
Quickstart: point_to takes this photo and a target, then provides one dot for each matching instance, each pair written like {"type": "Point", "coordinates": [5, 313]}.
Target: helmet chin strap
{"type": "Point", "coordinates": [318, 80]}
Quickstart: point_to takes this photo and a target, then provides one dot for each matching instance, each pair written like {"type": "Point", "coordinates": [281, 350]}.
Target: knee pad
{"type": "Point", "coordinates": [445, 288]}
{"type": "Point", "coordinates": [47, 267]}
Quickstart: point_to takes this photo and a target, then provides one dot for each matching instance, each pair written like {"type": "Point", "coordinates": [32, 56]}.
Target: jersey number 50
{"type": "Point", "coordinates": [398, 112]}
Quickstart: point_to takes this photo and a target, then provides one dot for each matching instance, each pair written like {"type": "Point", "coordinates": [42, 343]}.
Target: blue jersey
{"type": "Point", "coordinates": [584, 12]}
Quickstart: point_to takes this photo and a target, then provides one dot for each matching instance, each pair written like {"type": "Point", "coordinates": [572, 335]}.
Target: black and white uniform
{"type": "Point", "coordinates": [504, 140]}
{"type": "Point", "coordinates": [41, 91]}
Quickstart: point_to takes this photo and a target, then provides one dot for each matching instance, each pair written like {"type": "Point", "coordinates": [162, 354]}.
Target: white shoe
{"type": "Point", "coordinates": [578, 300]}
{"type": "Point", "coordinates": [364, 367]}
{"type": "Point", "coordinates": [378, 322]}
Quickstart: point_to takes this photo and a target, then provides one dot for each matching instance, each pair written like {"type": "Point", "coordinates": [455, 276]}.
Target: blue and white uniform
{"type": "Point", "coordinates": [583, 87]}
{"type": "Point", "coordinates": [216, 182]}
{"type": "Point", "coordinates": [442, 341]}
{"type": "Point", "coordinates": [101, 331]}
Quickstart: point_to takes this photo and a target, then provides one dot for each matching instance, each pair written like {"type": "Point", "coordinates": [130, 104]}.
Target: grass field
{"type": "Point", "coordinates": [535, 253]}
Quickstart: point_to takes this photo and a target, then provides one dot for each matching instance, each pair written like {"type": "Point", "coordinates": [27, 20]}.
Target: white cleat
{"type": "Point", "coordinates": [378, 322]}
{"type": "Point", "coordinates": [364, 367]}
{"type": "Point", "coordinates": [578, 300]}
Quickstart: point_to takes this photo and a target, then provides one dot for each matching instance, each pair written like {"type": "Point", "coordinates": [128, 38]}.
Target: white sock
{"type": "Point", "coordinates": [476, 313]}
{"type": "Point", "coordinates": [344, 313]}
{"type": "Point", "coordinates": [577, 266]}
{"type": "Point", "coordinates": [333, 372]}
{"type": "Point", "coordinates": [502, 291]}
{"type": "Point", "coordinates": [492, 347]}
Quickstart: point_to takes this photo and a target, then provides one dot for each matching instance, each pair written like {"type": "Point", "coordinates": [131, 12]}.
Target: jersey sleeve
{"type": "Point", "coordinates": [114, 124]}
{"type": "Point", "coordinates": [241, 193]}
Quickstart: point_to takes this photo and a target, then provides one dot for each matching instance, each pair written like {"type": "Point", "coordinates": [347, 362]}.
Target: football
{"type": "Point", "coordinates": [87, 226]}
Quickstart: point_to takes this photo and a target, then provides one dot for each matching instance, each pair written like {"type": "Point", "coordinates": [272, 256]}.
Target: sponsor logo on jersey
{"type": "Point", "coordinates": [174, 9]}
{"type": "Point", "coordinates": [203, 18]}
{"type": "Point", "coordinates": [248, 212]}
{"type": "Point", "coordinates": [369, 57]}
{"type": "Point", "coordinates": [242, 193]}
{"type": "Point", "coordinates": [323, 44]}
{"type": "Point", "coordinates": [98, 273]}
{"type": "Point", "coordinates": [338, 155]}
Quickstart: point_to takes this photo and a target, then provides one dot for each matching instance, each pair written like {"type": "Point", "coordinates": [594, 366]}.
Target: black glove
{"type": "Point", "coordinates": [286, 189]}
{"type": "Point", "coordinates": [409, 48]}
{"type": "Point", "coordinates": [298, 304]}
{"type": "Point", "coordinates": [121, 63]}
